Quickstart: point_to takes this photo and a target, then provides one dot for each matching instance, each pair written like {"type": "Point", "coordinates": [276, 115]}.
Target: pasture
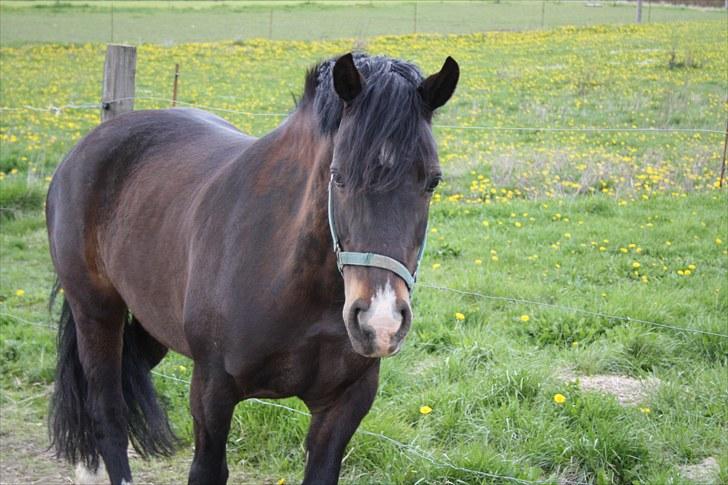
{"type": "Point", "coordinates": [539, 241]}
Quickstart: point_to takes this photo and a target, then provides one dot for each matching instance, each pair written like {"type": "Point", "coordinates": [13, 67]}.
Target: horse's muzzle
{"type": "Point", "coordinates": [377, 327]}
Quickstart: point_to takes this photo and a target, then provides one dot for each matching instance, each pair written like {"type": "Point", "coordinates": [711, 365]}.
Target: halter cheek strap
{"type": "Point", "coordinates": [374, 260]}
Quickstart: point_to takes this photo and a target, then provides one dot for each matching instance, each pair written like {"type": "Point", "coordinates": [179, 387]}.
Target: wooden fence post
{"type": "Point", "coordinates": [119, 74]}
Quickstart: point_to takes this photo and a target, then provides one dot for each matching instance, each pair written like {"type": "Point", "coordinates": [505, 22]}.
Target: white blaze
{"type": "Point", "coordinates": [382, 316]}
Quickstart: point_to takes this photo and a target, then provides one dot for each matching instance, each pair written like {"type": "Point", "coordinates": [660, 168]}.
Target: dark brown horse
{"type": "Point", "coordinates": [173, 230]}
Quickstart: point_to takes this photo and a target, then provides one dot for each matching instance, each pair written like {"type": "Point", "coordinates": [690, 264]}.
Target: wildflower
{"type": "Point", "coordinates": [494, 258]}
{"type": "Point", "coordinates": [459, 316]}
{"type": "Point", "coordinates": [525, 318]}
{"type": "Point", "coordinates": [478, 261]}
{"type": "Point", "coordinates": [19, 292]}
{"type": "Point", "coordinates": [636, 265]}
{"type": "Point", "coordinates": [691, 267]}
{"type": "Point", "coordinates": [182, 368]}
{"type": "Point", "coordinates": [425, 410]}
{"type": "Point", "coordinates": [718, 241]}
{"type": "Point", "coordinates": [559, 398]}
{"type": "Point", "coordinates": [436, 265]}
{"type": "Point", "coordinates": [623, 250]}
{"type": "Point", "coordinates": [433, 230]}
{"type": "Point", "coordinates": [282, 481]}
{"type": "Point", "coordinates": [645, 410]}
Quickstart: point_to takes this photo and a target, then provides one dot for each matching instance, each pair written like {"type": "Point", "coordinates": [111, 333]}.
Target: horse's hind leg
{"type": "Point", "coordinates": [89, 415]}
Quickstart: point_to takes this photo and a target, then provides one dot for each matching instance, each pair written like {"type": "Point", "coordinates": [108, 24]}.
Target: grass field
{"type": "Point", "coordinates": [591, 224]}
{"type": "Point", "coordinates": [175, 22]}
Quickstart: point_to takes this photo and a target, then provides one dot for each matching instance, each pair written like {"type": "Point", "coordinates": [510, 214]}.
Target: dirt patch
{"type": "Point", "coordinates": [628, 390]}
{"type": "Point", "coordinates": [705, 472]}
{"type": "Point", "coordinates": [25, 459]}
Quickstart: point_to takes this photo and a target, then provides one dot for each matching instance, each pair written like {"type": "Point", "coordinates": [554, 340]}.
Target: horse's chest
{"type": "Point", "coordinates": [309, 371]}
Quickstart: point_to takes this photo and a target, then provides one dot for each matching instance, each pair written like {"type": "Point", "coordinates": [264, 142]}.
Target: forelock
{"type": "Point", "coordinates": [387, 133]}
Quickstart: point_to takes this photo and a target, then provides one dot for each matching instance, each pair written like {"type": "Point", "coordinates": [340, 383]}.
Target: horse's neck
{"type": "Point", "coordinates": [312, 255]}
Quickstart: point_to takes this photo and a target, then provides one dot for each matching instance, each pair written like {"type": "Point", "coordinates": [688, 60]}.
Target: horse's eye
{"type": "Point", "coordinates": [338, 179]}
{"type": "Point", "coordinates": [433, 183]}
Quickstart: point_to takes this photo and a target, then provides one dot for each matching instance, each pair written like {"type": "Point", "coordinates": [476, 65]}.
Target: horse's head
{"type": "Point", "coordinates": [383, 173]}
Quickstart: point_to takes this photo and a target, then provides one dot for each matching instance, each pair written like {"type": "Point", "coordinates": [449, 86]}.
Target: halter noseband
{"type": "Point", "coordinates": [374, 260]}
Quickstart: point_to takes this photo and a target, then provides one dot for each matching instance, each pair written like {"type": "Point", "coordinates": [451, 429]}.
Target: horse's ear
{"type": "Point", "coordinates": [347, 81]}
{"type": "Point", "coordinates": [437, 89]}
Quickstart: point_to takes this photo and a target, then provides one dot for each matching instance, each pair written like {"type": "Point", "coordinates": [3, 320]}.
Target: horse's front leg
{"type": "Point", "coordinates": [332, 426]}
{"type": "Point", "coordinates": [212, 402]}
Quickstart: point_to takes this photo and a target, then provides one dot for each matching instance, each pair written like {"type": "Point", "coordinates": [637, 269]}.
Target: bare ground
{"type": "Point", "coordinates": [25, 459]}
{"type": "Point", "coordinates": [628, 390]}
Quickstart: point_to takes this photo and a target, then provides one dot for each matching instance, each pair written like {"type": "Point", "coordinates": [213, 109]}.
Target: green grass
{"type": "Point", "coordinates": [559, 218]}
{"type": "Point", "coordinates": [165, 22]}
{"type": "Point", "coordinates": [490, 378]}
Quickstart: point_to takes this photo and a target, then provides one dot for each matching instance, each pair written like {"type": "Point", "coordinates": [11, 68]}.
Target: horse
{"type": "Point", "coordinates": [282, 266]}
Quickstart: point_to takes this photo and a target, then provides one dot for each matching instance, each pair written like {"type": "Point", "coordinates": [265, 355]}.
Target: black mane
{"type": "Point", "coordinates": [387, 135]}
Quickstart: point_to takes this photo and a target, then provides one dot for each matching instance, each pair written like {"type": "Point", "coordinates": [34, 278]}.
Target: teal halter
{"type": "Point", "coordinates": [374, 260]}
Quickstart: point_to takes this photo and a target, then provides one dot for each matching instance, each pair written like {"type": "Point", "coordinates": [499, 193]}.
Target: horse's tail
{"type": "Point", "coordinates": [70, 423]}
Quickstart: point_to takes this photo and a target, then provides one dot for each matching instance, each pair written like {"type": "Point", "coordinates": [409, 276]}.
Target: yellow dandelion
{"type": "Point", "coordinates": [718, 241]}
{"type": "Point", "coordinates": [19, 292]}
{"type": "Point", "coordinates": [425, 410]}
{"type": "Point", "coordinates": [282, 481]}
{"type": "Point", "coordinates": [636, 265]}
{"type": "Point", "coordinates": [459, 316]}
{"type": "Point", "coordinates": [559, 398]}
{"type": "Point", "coordinates": [623, 250]}
{"type": "Point", "coordinates": [478, 261]}
{"type": "Point", "coordinates": [436, 265]}
{"type": "Point", "coordinates": [525, 318]}
{"type": "Point", "coordinates": [645, 410]}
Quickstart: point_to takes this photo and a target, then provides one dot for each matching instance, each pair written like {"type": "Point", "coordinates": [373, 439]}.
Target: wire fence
{"type": "Point", "coordinates": [587, 129]}
{"type": "Point", "coordinates": [649, 130]}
